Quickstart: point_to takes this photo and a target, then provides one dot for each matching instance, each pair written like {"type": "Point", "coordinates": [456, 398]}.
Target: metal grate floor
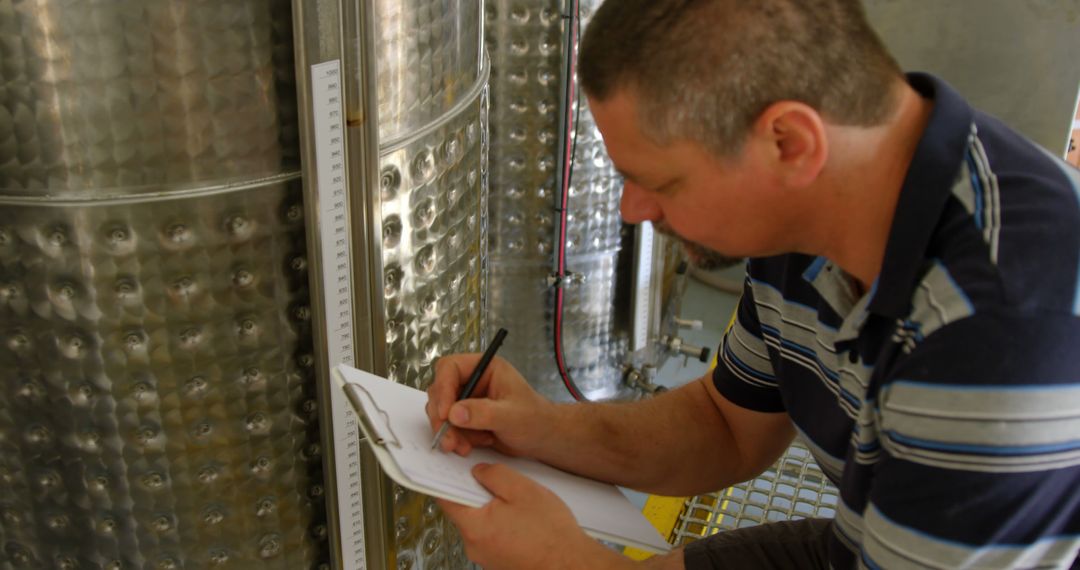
{"type": "Point", "coordinates": [793, 488]}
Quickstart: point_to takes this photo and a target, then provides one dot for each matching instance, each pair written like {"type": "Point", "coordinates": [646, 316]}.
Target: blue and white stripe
{"type": "Point", "coordinates": [980, 192]}
{"type": "Point", "coordinates": [865, 439]}
{"type": "Point", "coordinates": [887, 544]}
{"type": "Point", "coordinates": [794, 331]}
{"type": "Point", "coordinates": [982, 428]}
{"type": "Point", "coordinates": [746, 358]}
{"type": "Point", "coordinates": [938, 300]}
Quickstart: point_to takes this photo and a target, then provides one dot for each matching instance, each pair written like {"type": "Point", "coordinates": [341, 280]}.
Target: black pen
{"type": "Point", "coordinates": [467, 391]}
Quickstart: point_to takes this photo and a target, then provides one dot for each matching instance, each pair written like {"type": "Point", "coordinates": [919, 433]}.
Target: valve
{"type": "Point", "coordinates": [692, 324]}
{"type": "Point", "coordinates": [567, 280]}
{"type": "Point", "coordinates": [643, 379]}
{"type": "Point", "coordinates": [676, 345]}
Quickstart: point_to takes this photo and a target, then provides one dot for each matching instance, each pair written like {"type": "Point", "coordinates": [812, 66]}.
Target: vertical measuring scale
{"type": "Point", "coordinates": [643, 276]}
{"type": "Point", "coordinates": [326, 95]}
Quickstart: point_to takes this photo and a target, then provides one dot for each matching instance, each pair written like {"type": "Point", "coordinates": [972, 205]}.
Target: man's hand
{"type": "Point", "coordinates": [524, 526]}
{"type": "Point", "coordinates": [504, 412]}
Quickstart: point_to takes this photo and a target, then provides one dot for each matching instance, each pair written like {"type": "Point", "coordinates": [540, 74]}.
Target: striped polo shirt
{"type": "Point", "coordinates": [944, 402]}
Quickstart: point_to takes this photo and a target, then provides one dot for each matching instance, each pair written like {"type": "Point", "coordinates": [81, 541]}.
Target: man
{"type": "Point", "coordinates": [911, 307]}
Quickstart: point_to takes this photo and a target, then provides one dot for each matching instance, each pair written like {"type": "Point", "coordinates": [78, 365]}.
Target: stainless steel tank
{"type": "Point", "coordinates": [157, 404]}
{"type": "Point", "coordinates": [525, 40]}
{"type": "Point", "coordinates": [432, 105]}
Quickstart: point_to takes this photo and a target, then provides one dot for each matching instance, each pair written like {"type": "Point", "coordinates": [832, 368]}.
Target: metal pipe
{"type": "Point", "coordinates": [562, 157]}
{"type": "Point", "coordinates": [362, 132]}
{"type": "Point", "coordinates": [319, 29]}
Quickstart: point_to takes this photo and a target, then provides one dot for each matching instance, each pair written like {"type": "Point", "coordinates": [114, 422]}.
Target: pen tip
{"type": "Point", "coordinates": [439, 434]}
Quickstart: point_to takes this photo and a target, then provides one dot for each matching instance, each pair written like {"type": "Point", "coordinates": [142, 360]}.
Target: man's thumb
{"type": "Point", "coordinates": [475, 414]}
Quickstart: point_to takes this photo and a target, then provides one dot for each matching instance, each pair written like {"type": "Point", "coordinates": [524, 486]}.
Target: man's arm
{"type": "Point", "coordinates": [683, 442]}
{"type": "Point", "coordinates": [687, 441]}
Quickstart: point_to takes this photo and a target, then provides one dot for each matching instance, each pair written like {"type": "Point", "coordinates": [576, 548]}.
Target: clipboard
{"type": "Point", "coordinates": [394, 422]}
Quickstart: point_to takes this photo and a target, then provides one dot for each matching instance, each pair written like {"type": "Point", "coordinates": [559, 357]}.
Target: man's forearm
{"type": "Point", "coordinates": [676, 443]}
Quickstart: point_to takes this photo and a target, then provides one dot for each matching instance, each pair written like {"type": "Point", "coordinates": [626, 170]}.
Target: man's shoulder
{"type": "Point", "coordinates": [1043, 179]}
{"type": "Point", "coordinates": [1010, 237]}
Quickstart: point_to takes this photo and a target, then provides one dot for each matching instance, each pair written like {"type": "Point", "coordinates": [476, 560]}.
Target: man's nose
{"type": "Point", "coordinates": [637, 205]}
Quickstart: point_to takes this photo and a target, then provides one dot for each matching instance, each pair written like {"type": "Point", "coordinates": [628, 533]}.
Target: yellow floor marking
{"type": "Point", "coordinates": [663, 513]}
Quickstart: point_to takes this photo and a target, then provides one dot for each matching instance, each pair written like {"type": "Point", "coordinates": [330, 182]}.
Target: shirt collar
{"type": "Point", "coordinates": [926, 190]}
{"type": "Point", "coordinates": [927, 187]}
{"type": "Point", "coordinates": [838, 289]}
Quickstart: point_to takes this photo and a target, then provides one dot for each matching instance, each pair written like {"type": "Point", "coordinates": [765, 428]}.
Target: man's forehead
{"type": "Point", "coordinates": [616, 117]}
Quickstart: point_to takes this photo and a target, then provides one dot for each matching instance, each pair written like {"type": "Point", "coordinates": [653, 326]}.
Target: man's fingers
{"type": "Point", "coordinates": [478, 414]}
{"type": "Point", "coordinates": [506, 483]}
{"type": "Point", "coordinates": [443, 390]}
{"type": "Point", "coordinates": [454, 511]}
{"type": "Point", "coordinates": [462, 442]}
{"type": "Point", "coordinates": [444, 387]}
{"type": "Point", "coordinates": [451, 373]}
{"type": "Point", "coordinates": [475, 420]}
{"type": "Point", "coordinates": [482, 439]}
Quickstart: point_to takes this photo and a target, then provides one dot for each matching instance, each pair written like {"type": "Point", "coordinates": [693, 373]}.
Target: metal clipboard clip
{"type": "Point", "coordinates": [384, 436]}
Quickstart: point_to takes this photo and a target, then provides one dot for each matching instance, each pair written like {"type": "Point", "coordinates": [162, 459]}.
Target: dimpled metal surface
{"type": "Point", "coordinates": [428, 57]}
{"type": "Point", "coordinates": [161, 411]}
{"type": "Point", "coordinates": [423, 537]}
{"type": "Point", "coordinates": [432, 248]}
{"type": "Point", "coordinates": [434, 241]}
{"type": "Point", "coordinates": [158, 405]}
{"type": "Point", "coordinates": [130, 96]}
{"type": "Point", "coordinates": [524, 38]}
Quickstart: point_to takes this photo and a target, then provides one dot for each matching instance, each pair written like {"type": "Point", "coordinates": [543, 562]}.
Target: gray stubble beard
{"type": "Point", "coordinates": [700, 256]}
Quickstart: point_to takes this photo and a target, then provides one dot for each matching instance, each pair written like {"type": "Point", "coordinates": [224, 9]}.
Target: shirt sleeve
{"type": "Point", "coordinates": [744, 373]}
{"type": "Point", "coordinates": [979, 435]}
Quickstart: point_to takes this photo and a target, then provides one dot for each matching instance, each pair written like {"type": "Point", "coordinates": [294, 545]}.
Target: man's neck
{"type": "Point", "coordinates": [861, 185]}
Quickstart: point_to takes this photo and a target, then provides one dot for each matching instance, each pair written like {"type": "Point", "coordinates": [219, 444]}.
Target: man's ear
{"type": "Point", "coordinates": [795, 141]}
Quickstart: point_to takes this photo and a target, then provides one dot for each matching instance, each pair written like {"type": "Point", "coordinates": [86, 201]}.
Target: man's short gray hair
{"type": "Point", "coordinates": [704, 70]}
